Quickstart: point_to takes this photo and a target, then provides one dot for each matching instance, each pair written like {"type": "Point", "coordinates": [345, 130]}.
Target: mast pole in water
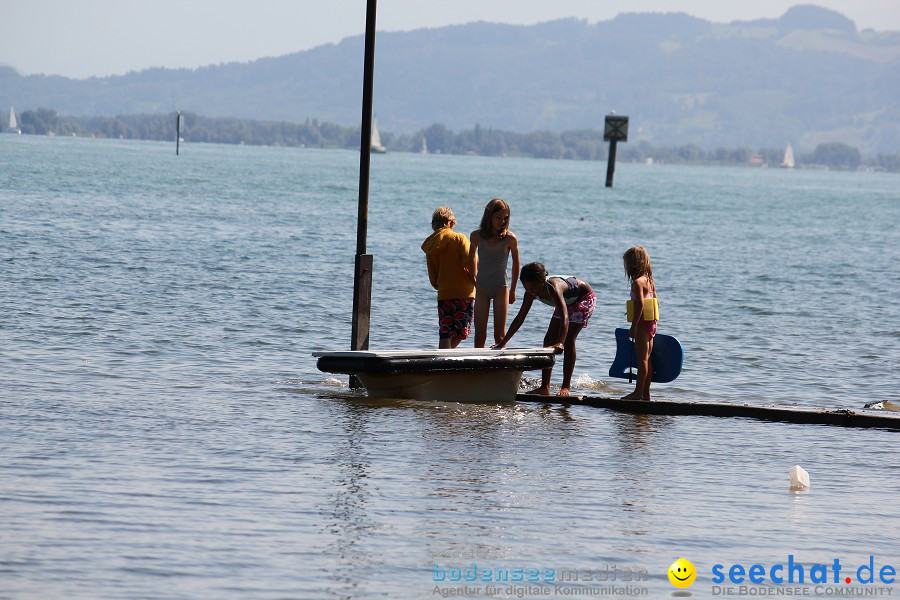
{"type": "Point", "coordinates": [179, 119]}
{"type": "Point", "coordinates": [362, 279]}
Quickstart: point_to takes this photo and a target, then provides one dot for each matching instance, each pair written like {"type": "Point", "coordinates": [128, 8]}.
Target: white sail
{"type": "Point", "coordinates": [375, 140]}
{"type": "Point", "coordinates": [788, 161]}
{"type": "Point", "coordinates": [13, 124]}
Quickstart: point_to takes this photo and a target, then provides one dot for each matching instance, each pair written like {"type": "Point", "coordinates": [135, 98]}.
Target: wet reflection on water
{"type": "Point", "coordinates": [490, 484]}
{"type": "Point", "coordinates": [349, 522]}
{"type": "Point", "coordinates": [550, 486]}
{"type": "Point", "coordinates": [641, 442]}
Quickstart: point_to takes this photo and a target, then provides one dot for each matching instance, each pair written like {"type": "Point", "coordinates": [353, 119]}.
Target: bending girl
{"type": "Point", "coordinates": [574, 301]}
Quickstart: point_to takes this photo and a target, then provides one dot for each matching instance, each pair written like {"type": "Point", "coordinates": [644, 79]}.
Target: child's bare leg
{"type": "Point", "coordinates": [549, 338]}
{"type": "Point", "coordinates": [649, 378]}
{"type": "Point", "coordinates": [544, 390]}
{"type": "Point", "coordinates": [642, 349]}
{"type": "Point", "coordinates": [569, 356]}
{"type": "Point", "coordinates": [482, 308]}
{"type": "Point", "coordinates": [501, 308]}
{"type": "Point", "coordinates": [642, 343]}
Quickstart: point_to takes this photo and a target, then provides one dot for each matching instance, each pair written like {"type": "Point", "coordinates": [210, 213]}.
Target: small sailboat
{"type": "Point", "coordinates": [375, 141]}
{"type": "Point", "coordinates": [424, 149]}
{"type": "Point", "coordinates": [788, 161]}
{"type": "Point", "coordinates": [13, 124]}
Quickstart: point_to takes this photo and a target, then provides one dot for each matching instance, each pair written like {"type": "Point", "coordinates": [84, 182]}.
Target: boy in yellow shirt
{"type": "Point", "coordinates": [447, 255]}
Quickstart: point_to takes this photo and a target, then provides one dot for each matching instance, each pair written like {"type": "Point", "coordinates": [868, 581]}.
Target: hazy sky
{"type": "Point", "coordinates": [81, 38]}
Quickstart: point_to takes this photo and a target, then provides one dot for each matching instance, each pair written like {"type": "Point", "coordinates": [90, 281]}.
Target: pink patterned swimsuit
{"type": "Point", "coordinates": [650, 326]}
{"type": "Point", "coordinates": [579, 307]}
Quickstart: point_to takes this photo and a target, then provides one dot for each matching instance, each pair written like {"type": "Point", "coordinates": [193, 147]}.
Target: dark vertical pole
{"type": "Point", "coordinates": [615, 129]}
{"type": "Point", "coordinates": [365, 137]}
{"type": "Point", "coordinates": [177, 131]}
{"type": "Point", "coordinates": [611, 162]}
{"type": "Point", "coordinates": [362, 279]}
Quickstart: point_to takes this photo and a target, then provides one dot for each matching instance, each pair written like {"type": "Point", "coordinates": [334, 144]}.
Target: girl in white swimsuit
{"type": "Point", "coordinates": [491, 245]}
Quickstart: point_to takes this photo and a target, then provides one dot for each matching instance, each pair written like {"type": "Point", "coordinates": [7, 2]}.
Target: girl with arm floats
{"type": "Point", "coordinates": [644, 314]}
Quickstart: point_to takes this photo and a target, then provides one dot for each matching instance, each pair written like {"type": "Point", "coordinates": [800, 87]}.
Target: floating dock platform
{"type": "Point", "coordinates": [476, 375]}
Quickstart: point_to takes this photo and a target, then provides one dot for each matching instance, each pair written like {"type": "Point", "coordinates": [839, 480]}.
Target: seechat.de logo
{"type": "Point", "coordinates": [682, 573]}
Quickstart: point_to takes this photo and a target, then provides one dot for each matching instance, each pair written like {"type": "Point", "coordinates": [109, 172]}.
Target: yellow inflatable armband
{"type": "Point", "coordinates": [651, 310]}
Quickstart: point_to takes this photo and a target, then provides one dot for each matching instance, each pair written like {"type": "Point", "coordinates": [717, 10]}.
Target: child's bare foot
{"type": "Point", "coordinates": [541, 391]}
{"type": "Point", "coordinates": [632, 396]}
{"type": "Point", "coordinates": [563, 392]}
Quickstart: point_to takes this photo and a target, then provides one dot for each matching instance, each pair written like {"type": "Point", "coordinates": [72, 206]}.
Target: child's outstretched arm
{"type": "Point", "coordinates": [517, 322]}
{"type": "Point", "coordinates": [514, 250]}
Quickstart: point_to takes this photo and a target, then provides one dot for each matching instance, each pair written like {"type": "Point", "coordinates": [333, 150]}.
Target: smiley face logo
{"type": "Point", "coordinates": [682, 573]}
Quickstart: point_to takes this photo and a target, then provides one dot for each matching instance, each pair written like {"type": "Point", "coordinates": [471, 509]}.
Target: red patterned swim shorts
{"type": "Point", "coordinates": [455, 318]}
{"type": "Point", "coordinates": [580, 311]}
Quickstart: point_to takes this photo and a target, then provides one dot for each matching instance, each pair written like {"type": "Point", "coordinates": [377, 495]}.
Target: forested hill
{"type": "Point", "coordinates": [808, 77]}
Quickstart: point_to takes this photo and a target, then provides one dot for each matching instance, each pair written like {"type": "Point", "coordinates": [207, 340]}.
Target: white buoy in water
{"type": "Point", "coordinates": [799, 479]}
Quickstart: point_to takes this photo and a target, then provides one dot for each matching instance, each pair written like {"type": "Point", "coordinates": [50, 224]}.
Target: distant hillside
{"type": "Point", "coordinates": [809, 77]}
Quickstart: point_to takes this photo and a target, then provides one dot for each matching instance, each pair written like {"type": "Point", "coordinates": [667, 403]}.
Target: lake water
{"type": "Point", "coordinates": [165, 433]}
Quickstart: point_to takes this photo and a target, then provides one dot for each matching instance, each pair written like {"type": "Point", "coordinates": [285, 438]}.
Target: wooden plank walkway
{"type": "Point", "coordinates": [788, 414]}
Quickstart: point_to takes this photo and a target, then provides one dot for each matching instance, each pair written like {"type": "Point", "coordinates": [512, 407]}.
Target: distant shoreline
{"type": "Point", "coordinates": [437, 139]}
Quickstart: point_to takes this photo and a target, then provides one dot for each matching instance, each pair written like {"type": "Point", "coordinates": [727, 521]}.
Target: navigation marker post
{"type": "Point", "coordinates": [179, 123]}
{"type": "Point", "coordinates": [615, 130]}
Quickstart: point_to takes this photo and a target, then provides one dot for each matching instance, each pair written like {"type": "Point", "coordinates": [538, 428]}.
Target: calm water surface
{"type": "Point", "coordinates": [165, 433]}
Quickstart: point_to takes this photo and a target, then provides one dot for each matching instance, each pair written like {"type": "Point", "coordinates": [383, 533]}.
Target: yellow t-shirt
{"type": "Point", "coordinates": [447, 255]}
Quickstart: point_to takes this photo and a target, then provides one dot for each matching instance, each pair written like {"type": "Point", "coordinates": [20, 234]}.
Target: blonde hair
{"type": "Point", "coordinates": [442, 217]}
{"type": "Point", "coordinates": [637, 263]}
{"type": "Point", "coordinates": [486, 227]}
